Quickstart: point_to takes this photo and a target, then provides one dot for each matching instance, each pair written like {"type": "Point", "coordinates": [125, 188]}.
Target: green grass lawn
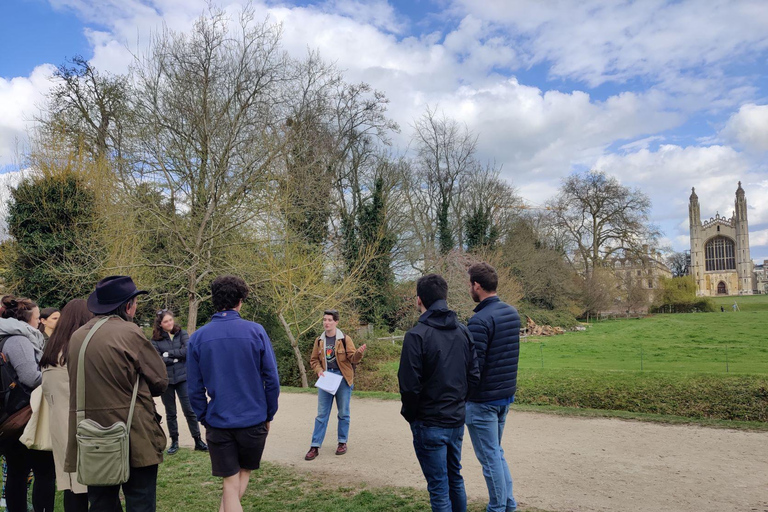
{"type": "Point", "coordinates": [692, 342]}
{"type": "Point", "coordinates": [703, 366]}
{"type": "Point", "coordinates": [184, 482]}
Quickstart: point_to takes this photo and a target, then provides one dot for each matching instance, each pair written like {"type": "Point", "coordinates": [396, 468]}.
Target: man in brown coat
{"type": "Point", "coordinates": [116, 355]}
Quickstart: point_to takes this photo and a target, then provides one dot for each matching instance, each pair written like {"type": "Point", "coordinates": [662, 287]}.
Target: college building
{"type": "Point", "coordinates": [720, 261]}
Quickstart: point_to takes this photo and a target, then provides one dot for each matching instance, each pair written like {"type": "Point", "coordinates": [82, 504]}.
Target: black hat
{"type": "Point", "coordinates": [111, 292]}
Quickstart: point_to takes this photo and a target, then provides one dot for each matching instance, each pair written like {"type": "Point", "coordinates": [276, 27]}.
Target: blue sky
{"type": "Point", "coordinates": [665, 95]}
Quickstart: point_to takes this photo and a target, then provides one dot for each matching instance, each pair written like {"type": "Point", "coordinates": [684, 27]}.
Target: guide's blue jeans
{"type": "Point", "coordinates": [439, 453]}
{"type": "Point", "coordinates": [485, 424]}
{"type": "Point", "coordinates": [324, 405]}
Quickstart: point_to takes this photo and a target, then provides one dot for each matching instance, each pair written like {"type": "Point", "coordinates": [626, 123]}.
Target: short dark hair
{"type": "Point", "coordinates": [431, 288]}
{"type": "Point", "coordinates": [484, 275]}
{"type": "Point", "coordinates": [332, 312]}
{"type": "Point", "coordinates": [227, 292]}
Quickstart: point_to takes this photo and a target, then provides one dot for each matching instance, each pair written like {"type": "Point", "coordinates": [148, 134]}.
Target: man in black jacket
{"type": "Point", "coordinates": [437, 368]}
{"type": "Point", "coordinates": [495, 329]}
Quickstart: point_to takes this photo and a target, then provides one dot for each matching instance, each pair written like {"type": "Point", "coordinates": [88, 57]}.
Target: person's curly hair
{"type": "Point", "coordinates": [227, 292]}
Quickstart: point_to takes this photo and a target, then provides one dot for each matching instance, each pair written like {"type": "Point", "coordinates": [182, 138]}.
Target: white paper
{"type": "Point", "coordinates": [329, 382]}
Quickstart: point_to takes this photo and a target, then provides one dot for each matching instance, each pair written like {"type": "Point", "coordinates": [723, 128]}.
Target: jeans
{"type": "Point", "coordinates": [20, 460]}
{"type": "Point", "coordinates": [140, 493]}
{"type": "Point", "coordinates": [439, 453]}
{"type": "Point", "coordinates": [169, 401]}
{"type": "Point", "coordinates": [485, 424]}
{"type": "Point", "coordinates": [324, 405]}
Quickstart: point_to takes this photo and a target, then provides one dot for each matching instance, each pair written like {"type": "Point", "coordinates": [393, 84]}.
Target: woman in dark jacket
{"type": "Point", "coordinates": [170, 341]}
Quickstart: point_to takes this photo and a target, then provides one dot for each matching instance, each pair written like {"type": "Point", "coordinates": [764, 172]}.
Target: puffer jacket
{"type": "Point", "coordinates": [176, 362]}
{"type": "Point", "coordinates": [495, 329]}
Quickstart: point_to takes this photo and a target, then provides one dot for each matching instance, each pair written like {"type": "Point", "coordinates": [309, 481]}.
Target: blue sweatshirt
{"type": "Point", "coordinates": [232, 360]}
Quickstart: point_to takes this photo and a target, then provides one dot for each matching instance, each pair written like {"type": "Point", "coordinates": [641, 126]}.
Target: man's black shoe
{"type": "Point", "coordinates": [174, 447]}
{"type": "Point", "coordinates": [200, 446]}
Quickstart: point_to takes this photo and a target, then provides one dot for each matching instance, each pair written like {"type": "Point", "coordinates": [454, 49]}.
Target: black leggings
{"type": "Point", "coordinates": [20, 460]}
{"type": "Point", "coordinates": [75, 502]}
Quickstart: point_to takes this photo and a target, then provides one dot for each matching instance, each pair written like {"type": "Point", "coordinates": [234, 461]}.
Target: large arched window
{"type": "Point", "coordinates": [719, 254]}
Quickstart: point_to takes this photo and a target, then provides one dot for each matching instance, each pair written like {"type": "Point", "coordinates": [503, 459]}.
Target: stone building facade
{"type": "Point", "coordinates": [720, 259]}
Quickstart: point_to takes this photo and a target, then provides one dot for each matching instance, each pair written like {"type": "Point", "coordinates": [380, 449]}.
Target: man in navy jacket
{"type": "Point", "coordinates": [232, 360]}
{"type": "Point", "coordinates": [495, 328]}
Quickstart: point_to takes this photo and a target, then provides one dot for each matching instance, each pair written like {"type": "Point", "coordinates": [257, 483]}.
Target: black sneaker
{"type": "Point", "coordinates": [200, 446]}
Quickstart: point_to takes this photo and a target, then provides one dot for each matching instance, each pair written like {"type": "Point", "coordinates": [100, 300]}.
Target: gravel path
{"type": "Point", "coordinates": [558, 463]}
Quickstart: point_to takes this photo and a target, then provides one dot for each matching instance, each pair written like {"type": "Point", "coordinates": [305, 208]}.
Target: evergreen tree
{"type": "Point", "coordinates": [53, 256]}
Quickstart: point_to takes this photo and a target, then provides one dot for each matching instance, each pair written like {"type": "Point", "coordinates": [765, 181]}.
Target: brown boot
{"type": "Point", "coordinates": [312, 453]}
{"type": "Point", "coordinates": [341, 449]}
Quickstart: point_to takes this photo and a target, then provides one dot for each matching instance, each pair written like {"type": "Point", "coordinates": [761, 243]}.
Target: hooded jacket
{"type": "Point", "coordinates": [437, 368]}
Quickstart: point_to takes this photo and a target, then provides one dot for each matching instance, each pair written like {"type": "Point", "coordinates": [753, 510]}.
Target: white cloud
{"type": "Point", "coordinates": [20, 98]}
{"type": "Point", "coordinates": [605, 40]}
{"type": "Point", "coordinates": [749, 127]}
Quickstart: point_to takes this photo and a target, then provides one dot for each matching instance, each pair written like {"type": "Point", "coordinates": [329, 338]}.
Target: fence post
{"type": "Point", "coordinates": [641, 358]}
{"type": "Point", "coordinates": [541, 350]}
{"type": "Point", "coordinates": [726, 359]}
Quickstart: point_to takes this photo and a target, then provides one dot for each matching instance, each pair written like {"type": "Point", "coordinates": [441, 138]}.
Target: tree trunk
{"type": "Point", "coordinates": [194, 304]}
{"type": "Point", "coordinates": [296, 351]}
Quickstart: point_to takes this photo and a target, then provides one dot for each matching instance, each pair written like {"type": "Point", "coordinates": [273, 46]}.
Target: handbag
{"type": "Point", "coordinates": [37, 433]}
{"type": "Point", "coordinates": [103, 453]}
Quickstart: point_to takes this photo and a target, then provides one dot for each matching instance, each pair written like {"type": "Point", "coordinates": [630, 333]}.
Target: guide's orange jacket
{"type": "Point", "coordinates": [344, 358]}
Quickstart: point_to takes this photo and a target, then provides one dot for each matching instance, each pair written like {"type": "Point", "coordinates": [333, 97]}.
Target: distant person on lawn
{"type": "Point", "coordinates": [437, 370]}
{"type": "Point", "coordinates": [232, 361]}
{"type": "Point", "coordinates": [333, 352]}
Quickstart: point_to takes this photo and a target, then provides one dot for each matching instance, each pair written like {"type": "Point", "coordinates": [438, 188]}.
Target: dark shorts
{"type": "Point", "coordinates": [233, 449]}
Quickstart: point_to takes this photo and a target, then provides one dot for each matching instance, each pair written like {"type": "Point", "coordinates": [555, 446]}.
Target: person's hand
{"type": "Point", "coordinates": [320, 374]}
{"type": "Point", "coordinates": [362, 349]}
{"type": "Point", "coordinates": [165, 354]}
{"type": "Point", "coordinates": [267, 425]}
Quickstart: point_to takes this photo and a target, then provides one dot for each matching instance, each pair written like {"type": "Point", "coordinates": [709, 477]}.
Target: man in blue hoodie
{"type": "Point", "coordinates": [232, 360]}
{"type": "Point", "coordinates": [495, 329]}
{"type": "Point", "coordinates": [437, 368]}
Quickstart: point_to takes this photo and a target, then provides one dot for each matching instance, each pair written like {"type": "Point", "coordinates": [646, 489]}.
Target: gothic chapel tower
{"type": "Point", "coordinates": [720, 259]}
{"type": "Point", "coordinates": [744, 265]}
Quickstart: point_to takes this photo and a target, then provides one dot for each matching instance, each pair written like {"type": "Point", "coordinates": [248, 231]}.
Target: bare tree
{"type": "Point", "coordinates": [207, 134]}
{"type": "Point", "coordinates": [678, 263]}
{"type": "Point", "coordinates": [444, 153]}
{"type": "Point", "coordinates": [600, 217]}
{"type": "Point", "coordinates": [89, 108]}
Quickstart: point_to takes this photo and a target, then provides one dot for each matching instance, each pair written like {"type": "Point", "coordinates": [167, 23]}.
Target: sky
{"type": "Point", "coordinates": [664, 95]}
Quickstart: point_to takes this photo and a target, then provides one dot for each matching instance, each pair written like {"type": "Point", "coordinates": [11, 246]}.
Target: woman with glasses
{"type": "Point", "coordinates": [170, 341]}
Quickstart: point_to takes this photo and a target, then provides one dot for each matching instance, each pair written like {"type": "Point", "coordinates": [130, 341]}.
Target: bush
{"type": "Point", "coordinates": [554, 317]}
{"type": "Point", "coordinates": [724, 397]}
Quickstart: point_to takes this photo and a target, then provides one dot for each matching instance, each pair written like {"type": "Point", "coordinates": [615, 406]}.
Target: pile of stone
{"type": "Point", "coordinates": [534, 329]}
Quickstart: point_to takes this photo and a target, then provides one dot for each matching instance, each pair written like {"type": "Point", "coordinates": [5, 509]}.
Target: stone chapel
{"type": "Point", "coordinates": [720, 260]}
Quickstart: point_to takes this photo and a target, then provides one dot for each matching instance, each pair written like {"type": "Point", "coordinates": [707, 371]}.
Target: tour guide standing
{"type": "Point", "coordinates": [495, 329]}
{"type": "Point", "coordinates": [335, 353]}
{"type": "Point", "coordinates": [437, 369]}
{"type": "Point", "coordinates": [232, 360]}
{"type": "Point", "coordinates": [117, 353]}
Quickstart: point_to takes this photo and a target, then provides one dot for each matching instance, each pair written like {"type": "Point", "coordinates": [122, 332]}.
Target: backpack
{"type": "Point", "coordinates": [15, 410]}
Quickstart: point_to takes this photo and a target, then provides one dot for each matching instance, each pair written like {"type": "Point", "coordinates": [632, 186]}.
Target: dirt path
{"type": "Point", "coordinates": [558, 463]}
